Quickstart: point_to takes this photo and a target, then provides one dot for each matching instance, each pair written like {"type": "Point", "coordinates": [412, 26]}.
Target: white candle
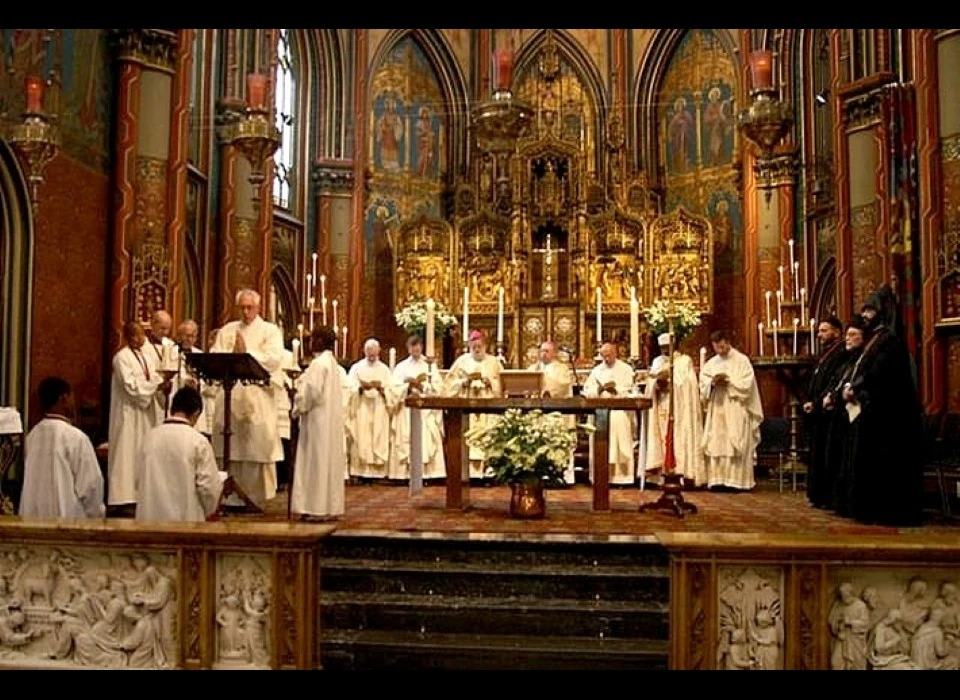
{"type": "Point", "coordinates": [634, 324]}
{"type": "Point", "coordinates": [466, 314]}
{"type": "Point", "coordinates": [429, 331]}
{"type": "Point", "coordinates": [768, 295]}
{"type": "Point", "coordinates": [300, 332]}
{"type": "Point", "coordinates": [792, 259]}
{"type": "Point", "coordinates": [334, 315]}
{"type": "Point", "coordinates": [796, 326]}
{"type": "Point", "coordinates": [309, 290]}
{"type": "Point", "coordinates": [314, 268]}
{"type": "Point", "coordinates": [813, 336]}
{"type": "Point", "coordinates": [703, 357]}
{"type": "Point", "coordinates": [796, 281]}
{"type": "Point", "coordinates": [295, 346]}
{"type": "Point", "coordinates": [311, 314]}
{"type": "Point", "coordinates": [323, 286]}
{"type": "Point", "coordinates": [760, 339]}
{"type": "Point", "coordinates": [345, 350]}
{"type": "Point", "coordinates": [392, 355]}
{"type": "Point", "coordinates": [336, 340]}
{"type": "Point", "coordinates": [599, 316]}
{"type": "Point", "coordinates": [500, 315]}
{"type": "Point", "coordinates": [779, 308]}
{"type": "Point", "coordinates": [323, 303]}
{"type": "Point", "coordinates": [803, 305]}
{"type": "Point", "coordinates": [780, 271]}
{"type": "Point", "coordinates": [776, 339]}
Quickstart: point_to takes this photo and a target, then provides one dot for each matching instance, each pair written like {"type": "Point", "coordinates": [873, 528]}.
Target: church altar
{"type": "Point", "coordinates": [456, 410]}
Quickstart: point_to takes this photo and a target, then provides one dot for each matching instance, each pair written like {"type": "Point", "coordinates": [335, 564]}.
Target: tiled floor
{"type": "Point", "coordinates": [764, 510]}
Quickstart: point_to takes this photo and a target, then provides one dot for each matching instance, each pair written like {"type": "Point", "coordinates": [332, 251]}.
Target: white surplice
{"type": "Point", "coordinates": [61, 475]}
{"type": "Point", "coordinates": [731, 432]}
{"type": "Point", "coordinates": [687, 420]}
{"type": "Point", "coordinates": [255, 445]}
{"type": "Point", "coordinates": [348, 389]}
{"type": "Point", "coordinates": [431, 425]}
{"type": "Point", "coordinates": [163, 356]}
{"type": "Point", "coordinates": [281, 382]}
{"type": "Point", "coordinates": [321, 461]}
{"type": "Point", "coordinates": [370, 411]}
{"type": "Point", "coordinates": [558, 381]}
{"type": "Point", "coordinates": [177, 476]}
{"type": "Point", "coordinates": [458, 382]}
{"type": "Point", "coordinates": [178, 360]}
{"type": "Point", "coordinates": [622, 423]}
{"type": "Point", "coordinates": [133, 411]}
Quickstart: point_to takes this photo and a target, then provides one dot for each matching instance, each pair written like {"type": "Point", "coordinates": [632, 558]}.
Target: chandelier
{"type": "Point", "coordinates": [253, 133]}
{"type": "Point", "coordinates": [500, 121]}
{"type": "Point", "coordinates": [765, 122]}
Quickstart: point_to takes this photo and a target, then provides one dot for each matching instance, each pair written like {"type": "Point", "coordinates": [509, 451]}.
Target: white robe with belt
{"type": "Point", "coordinates": [61, 475]}
{"type": "Point", "coordinates": [431, 426]}
{"type": "Point", "coordinates": [133, 411]}
{"type": "Point", "coordinates": [622, 423]}
{"type": "Point", "coordinates": [731, 432]}
{"type": "Point", "coordinates": [255, 445]}
{"type": "Point", "coordinates": [177, 476]}
{"type": "Point", "coordinates": [458, 383]}
{"type": "Point", "coordinates": [321, 461]}
{"type": "Point", "coordinates": [558, 381]}
{"type": "Point", "coordinates": [370, 412]}
{"type": "Point", "coordinates": [687, 420]}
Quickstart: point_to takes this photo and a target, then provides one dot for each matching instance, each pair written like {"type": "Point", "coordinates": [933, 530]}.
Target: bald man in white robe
{"type": "Point", "coordinates": [557, 382]}
{"type": "Point", "coordinates": [371, 406]}
{"type": "Point", "coordinates": [614, 377]}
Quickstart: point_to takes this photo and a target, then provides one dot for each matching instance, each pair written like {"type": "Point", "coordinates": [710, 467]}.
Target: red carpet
{"type": "Point", "coordinates": [764, 510]}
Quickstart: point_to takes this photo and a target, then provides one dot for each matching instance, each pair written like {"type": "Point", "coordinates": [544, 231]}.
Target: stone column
{"type": "Point", "coordinates": [334, 183]}
{"type": "Point", "coordinates": [141, 262]}
{"type": "Point", "coordinates": [354, 315]}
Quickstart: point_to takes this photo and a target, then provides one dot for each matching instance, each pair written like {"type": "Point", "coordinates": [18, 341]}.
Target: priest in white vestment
{"type": "Point", "coordinates": [412, 376]}
{"type": "Point", "coordinates": [61, 475]}
{"type": "Point", "coordinates": [687, 416]}
{"type": "Point", "coordinates": [255, 445]}
{"type": "Point", "coordinates": [348, 388]}
{"type": "Point", "coordinates": [208, 391]}
{"type": "Point", "coordinates": [557, 382]}
{"type": "Point", "coordinates": [186, 343]}
{"type": "Point", "coordinates": [177, 476]}
{"type": "Point", "coordinates": [133, 411]}
{"type": "Point", "coordinates": [731, 432]}
{"type": "Point", "coordinates": [318, 477]}
{"type": "Point", "coordinates": [614, 377]}
{"type": "Point", "coordinates": [370, 407]}
{"type": "Point", "coordinates": [475, 375]}
{"type": "Point", "coordinates": [161, 350]}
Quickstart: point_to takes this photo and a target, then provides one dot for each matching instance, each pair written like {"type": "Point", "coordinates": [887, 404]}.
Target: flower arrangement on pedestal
{"type": "Point", "coordinates": [412, 318]}
{"type": "Point", "coordinates": [685, 318]}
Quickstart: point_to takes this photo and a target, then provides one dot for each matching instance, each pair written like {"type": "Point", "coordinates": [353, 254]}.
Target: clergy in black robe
{"type": "Point", "coordinates": [822, 467]}
{"type": "Point", "coordinates": [883, 459]}
{"type": "Point", "coordinates": [838, 420]}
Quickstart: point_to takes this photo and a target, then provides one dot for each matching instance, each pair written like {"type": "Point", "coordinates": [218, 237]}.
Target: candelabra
{"type": "Point", "coordinates": [501, 120]}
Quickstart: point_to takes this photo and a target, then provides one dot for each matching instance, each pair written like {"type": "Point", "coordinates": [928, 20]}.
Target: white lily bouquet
{"type": "Point", "coordinates": [412, 318]}
{"type": "Point", "coordinates": [685, 317]}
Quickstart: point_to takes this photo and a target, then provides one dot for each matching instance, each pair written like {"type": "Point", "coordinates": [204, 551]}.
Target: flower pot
{"type": "Point", "coordinates": [527, 500]}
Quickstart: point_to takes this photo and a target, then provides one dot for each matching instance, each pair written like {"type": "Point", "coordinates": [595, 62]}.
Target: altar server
{"type": "Point", "coordinates": [614, 377]}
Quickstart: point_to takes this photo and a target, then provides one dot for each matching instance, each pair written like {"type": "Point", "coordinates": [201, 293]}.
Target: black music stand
{"type": "Point", "coordinates": [227, 369]}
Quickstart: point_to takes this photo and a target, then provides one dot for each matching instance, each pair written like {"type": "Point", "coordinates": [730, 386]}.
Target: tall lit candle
{"type": "Point", "coordinates": [796, 280]}
{"type": "Point", "coordinates": [466, 314]}
{"type": "Point", "coordinates": [393, 358]}
{"type": "Point", "coordinates": [314, 268]}
{"type": "Point", "coordinates": [429, 330]}
{"type": "Point", "coordinates": [776, 339]}
{"type": "Point", "coordinates": [500, 315]}
{"type": "Point", "coordinates": [323, 304]}
{"type": "Point", "coordinates": [345, 347]}
{"type": "Point", "coordinates": [796, 327]}
{"type": "Point", "coordinates": [295, 346]}
{"type": "Point", "coordinates": [311, 307]}
{"type": "Point", "coordinates": [323, 286]}
{"type": "Point", "coordinates": [703, 357]}
{"type": "Point", "coordinates": [599, 316]}
{"type": "Point", "coordinates": [308, 292]}
{"type": "Point", "coordinates": [792, 258]}
{"type": "Point", "coordinates": [334, 314]}
{"type": "Point", "coordinates": [779, 308]}
{"type": "Point", "coordinates": [300, 332]}
{"type": "Point", "coordinates": [760, 339]}
{"type": "Point", "coordinates": [634, 324]}
{"type": "Point", "coordinates": [813, 336]}
{"type": "Point", "coordinates": [780, 272]}
{"type": "Point", "coordinates": [768, 294]}
{"type": "Point", "coordinates": [803, 306]}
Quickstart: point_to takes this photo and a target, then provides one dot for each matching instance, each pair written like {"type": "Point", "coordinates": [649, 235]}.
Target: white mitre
{"type": "Point", "coordinates": [663, 339]}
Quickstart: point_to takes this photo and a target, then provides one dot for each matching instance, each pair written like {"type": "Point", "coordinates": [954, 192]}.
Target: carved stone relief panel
{"type": "Point", "coordinates": [85, 607]}
{"type": "Point", "coordinates": [892, 620]}
{"type": "Point", "coordinates": [243, 612]}
{"type": "Point", "coordinates": [750, 618]}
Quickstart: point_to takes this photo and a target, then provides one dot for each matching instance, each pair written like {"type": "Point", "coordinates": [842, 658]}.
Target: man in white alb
{"type": "Point", "coordinates": [281, 383]}
{"type": "Point", "coordinates": [133, 411]}
{"type": "Point", "coordinates": [734, 413]}
{"type": "Point", "coordinates": [208, 392]}
{"type": "Point", "coordinates": [255, 445]}
{"type": "Point", "coordinates": [161, 351]}
{"type": "Point", "coordinates": [185, 343]}
{"type": "Point", "coordinates": [687, 416]}
{"type": "Point", "coordinates": [412, 376]}
{"type": "Point", "coordinates": [557, 383]}
{"type": "Point", "coordinates": [614, 377]}
{"type": "Point", "coordinates": [318, 477]}
{"type": "Point", "coordinates": [475, 375]}
{"type": "Point", "coordinates": [370, 406]}
{"type": "Point", "coordinates": [177, 476]}
{"type": "Point", "coordinates": [61, 475]}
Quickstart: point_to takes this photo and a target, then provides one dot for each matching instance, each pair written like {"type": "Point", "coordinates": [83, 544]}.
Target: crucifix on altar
{"type": "Point", "coordinates": [549, 278]}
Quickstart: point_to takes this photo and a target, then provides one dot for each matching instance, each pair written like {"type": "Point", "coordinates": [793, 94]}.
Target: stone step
{"type": "Point", "coordinates": [390, 650]}
{"type": "Point", "coordinates": [640, 583]}
{"type": "Point", "coordinates": [524, 616]}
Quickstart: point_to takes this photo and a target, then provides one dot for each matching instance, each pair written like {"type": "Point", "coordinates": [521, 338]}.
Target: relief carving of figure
{"type": "Point", "coordinates": [849, 622]}
{"type": "Point", "coordinates": [243, 617]}
{"type": "Point", "coordinates": [232, 644]}
{"type": "Point", "coordinates": [751, 624]}
{"type": "Point", "coordinates": [144, 644]}
{"type": "Point", "coordinates": [928, 648]}
{"type": "Point", "coordinates": [255, 607]}
{"type": "Point", "coordinates": [888, 646]}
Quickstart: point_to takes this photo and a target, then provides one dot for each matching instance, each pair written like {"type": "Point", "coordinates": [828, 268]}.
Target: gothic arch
{"type": "Point", "coordinates": [324, 72]}
{"type": "Point", "coordinates": [16, 283]}
{"type": "Point", "coordinates": [452, 82]}
{"type": "Point", "coordinates": [287, 306]}
{"type": "Point", "coordinates": [653, 67]}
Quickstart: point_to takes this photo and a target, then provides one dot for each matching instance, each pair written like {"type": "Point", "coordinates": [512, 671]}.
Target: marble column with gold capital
{"type": "Point", "coordinates": [141, 267]}
{"type": "Point", "coordinates": [334, 180]}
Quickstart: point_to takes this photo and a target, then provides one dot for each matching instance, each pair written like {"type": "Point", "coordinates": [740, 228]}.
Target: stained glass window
{"type": "Point", "coordinates": [285, 104]}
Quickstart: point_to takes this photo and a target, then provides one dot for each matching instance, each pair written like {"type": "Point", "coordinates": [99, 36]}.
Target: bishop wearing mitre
{"type": "Point", "coordinates": [133, 411]}
{"type": "Point", "coordinates": [614, 377]}
{"type": "Point", "coordinates": [412, 377]}
{"type": "Point", "coordinates": [557, 382]}
{"type": "Point", "coordinates": [370, 408]}
{"type": "Point", "coordinates": [255, 445]}
{"type": "Point", "coordinates": [684, 392]}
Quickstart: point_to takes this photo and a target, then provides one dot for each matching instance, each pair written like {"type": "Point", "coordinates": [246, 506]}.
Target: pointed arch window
{"type": "Point", "coordinates": [285, 107]}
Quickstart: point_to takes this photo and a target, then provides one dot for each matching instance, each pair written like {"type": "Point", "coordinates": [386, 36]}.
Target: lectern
{"type": "Point", "coordinates": [228, 369]}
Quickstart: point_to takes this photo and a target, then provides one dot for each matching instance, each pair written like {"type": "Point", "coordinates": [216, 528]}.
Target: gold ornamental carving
{"type": "Point", "coordinates": [423, 261]}
{"type": "Point", "coordinates": [152, 48]}
{"type": "Point", "coordinates": [150, 206]}
{"type": "Point", "coordinates": [151, 279]}
{"type": "Point", "coordinates": [682, 259]}
{"type": "Point", "coordinates": [950, 147]}
{"type": "Point", "coordinates": [862, 111]}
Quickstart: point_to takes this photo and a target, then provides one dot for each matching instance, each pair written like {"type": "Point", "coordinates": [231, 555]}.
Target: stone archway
{"type": "Point", "coordinates": [16, 283]}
